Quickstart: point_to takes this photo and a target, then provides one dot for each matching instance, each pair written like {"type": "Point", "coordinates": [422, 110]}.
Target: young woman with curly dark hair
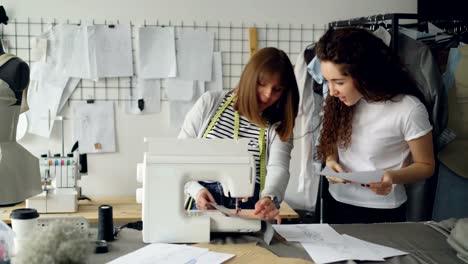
{"type": "Point", "coordinates": [374, 119]}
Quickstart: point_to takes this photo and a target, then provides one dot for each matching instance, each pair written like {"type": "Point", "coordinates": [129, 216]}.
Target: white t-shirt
{"type": "Point", "coordinates": [379, 141]}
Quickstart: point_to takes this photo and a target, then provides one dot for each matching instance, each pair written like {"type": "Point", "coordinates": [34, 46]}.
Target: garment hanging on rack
{"type": "Point", "coordinates": [418, 59]}
{"type": "Point", "coordinates": [307, 131]}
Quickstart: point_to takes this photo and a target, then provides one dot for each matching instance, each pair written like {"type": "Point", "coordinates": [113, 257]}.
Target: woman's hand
{"type": "Point", "coordinates": [265, 208]}
{"type": "Point", "coordinates": [203, 200]}
{"type": "Point", "coordinates": [383, 187]}
{"type": "Point", "coordinates": [334, 165]}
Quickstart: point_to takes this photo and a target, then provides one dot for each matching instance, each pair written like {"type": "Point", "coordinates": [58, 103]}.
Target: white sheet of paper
{"type": "Point", "coordinates": [94, 124]}
{"type": "Point", "coordinates": [379, 250]}
{"type": "Point", "coordinates": [357, 177]}
{"type": "Point", "coordinates": [216, 83]}
{"type": "Point", "coordinates": [178, 109]}
{"type": "Point", "coordinates": [38, 49]}
{"type": "Point", "coordinates": [309, 233]}
{"type": "Point", "coordinates": [177, 112]}
{"type": "Point", "coordinates": [195, 55]}
{"type": "Point", "coordinates": [180, 90]}
{"type": "Point", "coordinates": [161, 253]}
{"type": "Point", "coordinates": [211, 257]}
{"type": "Point", "coordinates": [77, 51]}
{"type": "Point", "coordinates": [156, 53]}
{"type": "Point", "coordinates": [150, 91]}
{"type": "Point", "coordinates": [114, 50]}
{"type": "Point", "coordinates": [67, 92]}
{"type": "Point", "coordinates": [199, 90]}
{"type": "Point", "coordinates": [44, 95]}
{"type": "Point", "coordinates": [47, 85]}
{"type": "Point", "coordinates": [326, 253]}
{"type": "Point", "coordinates": [350, 248]}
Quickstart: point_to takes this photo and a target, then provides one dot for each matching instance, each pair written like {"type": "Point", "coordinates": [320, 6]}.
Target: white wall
{"type": "Point", "coordinates": [114, 174]}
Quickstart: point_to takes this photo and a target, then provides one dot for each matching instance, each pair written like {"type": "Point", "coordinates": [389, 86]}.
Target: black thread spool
{"type": "Point", "coordinates": [105, 223]}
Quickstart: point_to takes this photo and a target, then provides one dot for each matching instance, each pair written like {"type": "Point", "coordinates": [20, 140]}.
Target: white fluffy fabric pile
{"type": "Point", "coordinates": [57, 243]}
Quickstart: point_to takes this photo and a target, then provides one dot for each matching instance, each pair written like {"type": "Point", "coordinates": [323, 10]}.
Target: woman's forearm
{"type": "Point", "coordinates": [415, 172]}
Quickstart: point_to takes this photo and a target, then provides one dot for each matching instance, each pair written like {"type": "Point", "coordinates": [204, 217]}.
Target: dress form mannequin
{"type": "Point", "coordinates": [19, 169]}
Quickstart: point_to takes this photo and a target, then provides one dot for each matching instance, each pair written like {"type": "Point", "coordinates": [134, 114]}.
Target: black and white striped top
{"type": "Point", "coordinates": [224, 128]}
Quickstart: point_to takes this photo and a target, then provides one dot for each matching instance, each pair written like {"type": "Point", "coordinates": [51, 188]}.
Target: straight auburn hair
{"type": "Point", "coordinates": [264, 64]}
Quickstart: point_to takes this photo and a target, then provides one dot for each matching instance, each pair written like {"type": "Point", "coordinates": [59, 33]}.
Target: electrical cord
{"type": "Point", "coordinates": [84, 197]}
{"type": "Point", "coordinates": [138, 225]}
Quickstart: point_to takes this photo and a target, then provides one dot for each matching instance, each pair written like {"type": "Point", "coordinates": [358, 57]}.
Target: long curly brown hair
{"type": "Point", "coordinates": [377, 74]}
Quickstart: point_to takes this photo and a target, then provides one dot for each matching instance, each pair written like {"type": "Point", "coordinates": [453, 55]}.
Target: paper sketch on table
{"type": "Point", "coordinates": [149, 91]}
{"type": "Point", "coordinates": [113, 50]}
{"type": "Point", "coordinates": [331, 252]}
{"type": "Point", "coordinates": [195, 55]}
{"type": "Point", "coordinates": [308, 233]}
{"type": "Point", "coordinates": [211, 257]}
{"type": "Point", "coordinates": [350, 248]}
{"type": "Point", "coordinates": [180, 90]}
{"type": "Point", "coordinates": [156, 53]}
{"type": "Point", "coordinates": [216, 83]}
{"type": "Point", "coordinates": [357, 177]}
{"type": "Point", "coordinates": [38, 49]}
{"type": "Point", "coordinates": [93, 127]}
{"type": "Point", "coordinates": [161, 253]}
{"type": "Point", "coordinates": [77, 51]}
{"type": "Point", "coordinates": [381, 251]}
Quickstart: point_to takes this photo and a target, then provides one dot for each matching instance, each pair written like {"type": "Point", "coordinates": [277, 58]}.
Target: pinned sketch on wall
{"type": "Point", "coordinates": [77, 51]}
{"type": "Point", "coordinates": [93, 127]}
{"type": "Point", "coordinates": [47, 85]}
{"type": "Point", "coordinates": [178, 109]}
{"type": "Point", "coordinates": [67, 92]}
{"type": "Point", "coordinates": [146, 97]}
{"type": "Point", "coordinates": [156, 53]}
{"type": "Point", "coordinates": [43, 101]}
{"type": "Point", "coordinates": [195, 54]}
{"type": "Point", "coordinates": [216, 83]}
{"type": "Point", "coordinates": [113, 50]}
{"type": "Point", "coordinates": [180, 90]}
{"type": "Point", "coordinates": [38, 49]}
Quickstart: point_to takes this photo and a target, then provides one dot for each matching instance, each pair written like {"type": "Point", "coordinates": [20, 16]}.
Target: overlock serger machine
{"type": "Point", "coordinates": [60, 191]}
{"type": "Point", "coordinates": [169, 164]}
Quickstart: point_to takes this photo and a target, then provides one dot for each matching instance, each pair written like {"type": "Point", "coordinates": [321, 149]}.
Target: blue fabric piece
{"type": "Point", "coordinates": [315, 71]}
{"type": "Point", "coordinates": [453, 60]}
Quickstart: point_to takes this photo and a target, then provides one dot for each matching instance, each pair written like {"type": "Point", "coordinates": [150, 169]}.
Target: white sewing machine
{"type": "Point", "coordinates": [169, 164]}
{"type": "Point", "coordinates": [60, 191]}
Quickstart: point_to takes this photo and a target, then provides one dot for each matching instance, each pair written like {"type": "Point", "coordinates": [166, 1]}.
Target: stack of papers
{"type": "Point", "coordinates": [170, 253]}
{"type": "Point", "coordinates": [325, 245]}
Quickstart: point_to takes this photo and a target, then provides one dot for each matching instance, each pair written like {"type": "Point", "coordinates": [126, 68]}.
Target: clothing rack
{"type": "Point", "coordinates": [454, 26]}
{"type": "Point", "coordinates": [376, 20]}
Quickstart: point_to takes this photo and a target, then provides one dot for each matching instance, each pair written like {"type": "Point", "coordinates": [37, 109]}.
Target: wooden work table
{"type": "Point", "coordinates": [125, 209]}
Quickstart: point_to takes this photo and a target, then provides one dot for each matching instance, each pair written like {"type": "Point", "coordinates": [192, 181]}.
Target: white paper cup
{"type": "Point", "coordinates": [23, 223]}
